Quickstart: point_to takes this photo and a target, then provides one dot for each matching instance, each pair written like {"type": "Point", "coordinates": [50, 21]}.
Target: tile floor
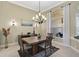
{"type": "Point", "coordinates": [62, 52]}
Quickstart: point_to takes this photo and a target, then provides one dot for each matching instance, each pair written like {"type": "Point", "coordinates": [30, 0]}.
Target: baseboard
{"type": "Point", "coordinates": [74, 49]}
{"type": "Point", "coordinates": [10, 44]}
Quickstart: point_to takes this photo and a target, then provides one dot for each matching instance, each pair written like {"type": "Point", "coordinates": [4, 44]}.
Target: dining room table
{"type": "Point", "coordinates": [33, 41]}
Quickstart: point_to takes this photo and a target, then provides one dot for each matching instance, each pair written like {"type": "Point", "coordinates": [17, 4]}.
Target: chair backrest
{"type": "Point", "coordinates": [20, 43]}
{"type": "Point", "coordinates": [19, 38]}
{"type": "Point", "coordinates": [48, 41]}
{"type": "Point", "coordinates": [50, 35]}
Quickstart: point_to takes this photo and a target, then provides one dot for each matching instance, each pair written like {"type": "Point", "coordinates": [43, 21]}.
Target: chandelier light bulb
{"type": "Point", "coordinates": [33, 18]}
{"type": "Point", "coordinates": [39, 14]}
{"type": "Point", "coordinates": [43, 16]}
{"type": "Point", "coordinates": [36, 16]}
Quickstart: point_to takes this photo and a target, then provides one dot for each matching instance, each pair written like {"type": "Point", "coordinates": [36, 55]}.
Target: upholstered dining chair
{"type": "Point", "coordinates": [23, 47]}
{"type": "Point", "coordinates": [47, 44]}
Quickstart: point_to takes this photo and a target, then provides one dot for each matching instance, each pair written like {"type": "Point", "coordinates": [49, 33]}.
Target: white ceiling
{"type": "Point", "coordinates": [34, 5]}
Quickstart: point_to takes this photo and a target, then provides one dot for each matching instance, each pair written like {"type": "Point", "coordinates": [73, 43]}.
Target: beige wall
{"type": "Point", "coordinates": [9, 11]}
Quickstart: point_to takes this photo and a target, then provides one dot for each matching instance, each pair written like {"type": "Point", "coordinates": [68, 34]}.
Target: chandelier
{"type": "Point", "coordinates": [39, 18]}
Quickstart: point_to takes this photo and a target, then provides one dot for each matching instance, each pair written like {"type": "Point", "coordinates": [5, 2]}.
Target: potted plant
{"type": "Point", "coordinates": [6, 32]}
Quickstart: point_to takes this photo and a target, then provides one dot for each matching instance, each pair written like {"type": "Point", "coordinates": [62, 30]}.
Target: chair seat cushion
{"type": "Point", "coordinates": [27, 46]}
{"type": "Point", "coordinates": [43, 45]}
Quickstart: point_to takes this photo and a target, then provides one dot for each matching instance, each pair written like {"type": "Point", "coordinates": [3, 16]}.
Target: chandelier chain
{"type": "Point", "coordinates": [39, 6]}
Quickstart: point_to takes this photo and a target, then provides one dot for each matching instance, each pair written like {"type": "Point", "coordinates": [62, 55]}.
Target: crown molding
{"type": "Point", "coordinates": [12, 2]}
{"type": "Point", "coordinates": [49, 9]}
{"type": "Point", "coordinates": [35, 9]}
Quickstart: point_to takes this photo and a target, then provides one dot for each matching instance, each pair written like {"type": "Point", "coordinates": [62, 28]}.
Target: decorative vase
{"type": "Point", "coordinates": [6, 42]}
{"type": "Point", "coordinates": [6, 33]}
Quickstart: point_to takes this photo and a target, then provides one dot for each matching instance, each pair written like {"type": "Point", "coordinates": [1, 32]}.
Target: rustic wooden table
{"type": "Point", "coordinates": [34, 41]}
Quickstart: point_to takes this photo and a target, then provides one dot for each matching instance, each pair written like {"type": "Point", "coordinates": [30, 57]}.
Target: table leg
{"type": "Point", "coordinates": [34, 49]}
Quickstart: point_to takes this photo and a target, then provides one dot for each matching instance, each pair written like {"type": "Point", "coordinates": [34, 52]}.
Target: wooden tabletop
{"type": "Point", "coordinates": [32, 40]}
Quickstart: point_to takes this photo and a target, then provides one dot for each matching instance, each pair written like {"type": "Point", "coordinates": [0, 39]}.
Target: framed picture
{"type": "Point", "coordinates": [26, 23]}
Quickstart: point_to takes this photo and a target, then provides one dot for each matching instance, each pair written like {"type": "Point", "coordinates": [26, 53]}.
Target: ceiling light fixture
{"type": "Point", "coordinates": [39, 18]}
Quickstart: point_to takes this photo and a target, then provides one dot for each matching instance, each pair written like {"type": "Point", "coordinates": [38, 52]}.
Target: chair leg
{"type": "Point", "coordinates": [50, 50]}
{"type": "Point", "coordinates": [45, 52]}
{"type": "Point", "coordinates": [50, 47]}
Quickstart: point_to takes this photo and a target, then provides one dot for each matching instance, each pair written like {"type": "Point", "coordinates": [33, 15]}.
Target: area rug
{"type": "Point", "coordinates": [40, 54]}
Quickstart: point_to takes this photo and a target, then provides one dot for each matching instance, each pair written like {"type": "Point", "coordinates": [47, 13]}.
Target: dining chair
{"type": "Point", "coordinates": [23, 47]}
{"type": "Point", "coordinates": [47, 44]}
